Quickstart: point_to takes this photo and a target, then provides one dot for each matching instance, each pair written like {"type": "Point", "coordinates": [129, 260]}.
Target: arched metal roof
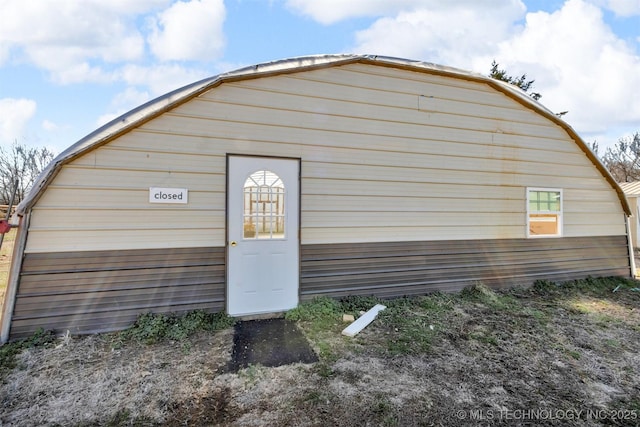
{"type": "Point", "coordinates": [156, 107]}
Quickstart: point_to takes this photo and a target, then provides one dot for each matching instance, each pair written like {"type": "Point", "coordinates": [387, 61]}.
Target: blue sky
{"type": "Point", "coordinates": [69, 66]}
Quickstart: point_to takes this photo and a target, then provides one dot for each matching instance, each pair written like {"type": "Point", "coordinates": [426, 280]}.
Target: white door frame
{"type": "Point", "coordinates": [253, 287]}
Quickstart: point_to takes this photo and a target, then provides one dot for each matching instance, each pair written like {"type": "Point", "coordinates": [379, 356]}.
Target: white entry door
{"type": "Point", "coordinates": [263, 216]}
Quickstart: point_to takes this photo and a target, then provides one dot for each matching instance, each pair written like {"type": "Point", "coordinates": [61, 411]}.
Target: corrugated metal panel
{"type": "Point", "coordinates": [58, 197]}
{"type": "Point", "coordinates": [412, 268]}
{"type": "Point", "coordinates": [87, 292]}
{"type": "Point", "coordinates": [399, 163]}
{"type": "Point", "coordinates": [420, 78]}
{"type": "Point", "coordinates": [631, 188]}
{"type": "Point", "coordinates": [162, 236]}
{"type": "Point", "coordinates": [433, 96]}
{"type": "Point", "coordinates": [234, 134]}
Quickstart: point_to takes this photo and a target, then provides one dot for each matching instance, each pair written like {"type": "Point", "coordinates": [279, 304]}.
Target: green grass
{"type": "Point", "coordinates": [321, 320]}
{"type": "Point", "coordinates": [151, 328]}
{"type": "Point", "coordinates": [411, 325]}
{"type": "Point", "coordinates": [319, 311]}
{"type": "Point", "coordinates": [407, 324]}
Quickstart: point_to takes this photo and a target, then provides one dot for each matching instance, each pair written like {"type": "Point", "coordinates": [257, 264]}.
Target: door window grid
{"type": "Point", "coordinates": [264, 212]}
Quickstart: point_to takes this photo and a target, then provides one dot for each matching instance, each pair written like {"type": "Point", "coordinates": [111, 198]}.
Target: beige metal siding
{"type": "Point", "coordinates": [387, 155]}
{"type": "Point", "coordinates": [413, 268]}
{"type": "Point", "coordinates": [98, 291]}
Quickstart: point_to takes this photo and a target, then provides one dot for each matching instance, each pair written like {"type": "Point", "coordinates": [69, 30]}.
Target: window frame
{"type": "Point", "coordinates": [254, 217]}
{"type": "Point", "coordinates": [559, 213]}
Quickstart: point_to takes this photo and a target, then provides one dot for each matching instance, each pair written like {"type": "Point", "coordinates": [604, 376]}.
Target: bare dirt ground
{"type": "Point", "coordinates": [547, 355]}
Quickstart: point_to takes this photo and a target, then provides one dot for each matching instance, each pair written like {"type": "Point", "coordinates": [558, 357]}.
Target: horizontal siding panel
{"type": "Point", "coordinates": [61, 305]}
{"type": "Point", "coordinates": [78, 176]}
{"type": "Point", "coordinates": [454, 274]}
{"type": "Point", "coordinates": [595, 196]}
{"type": "Point", "coordinates": [480, 200]}
{"type": "Point", "coordinates": [348, 188]}
{"type": "Point", "coordinates": [340, 172]}
{"type": "Point", "coordinates": [108, 157]}
{"type": "Point", "coordinates": [412, 108]}
{"type": "Point", "coordinates": [400, 81]}
{"type": "Point", "coordinates": [489, 246]}
{"type": "Point", "coordinates": [421, 288]}
{"type": "Point", "coordinates": [89, 292]}
{"type": "Point", "coordinates": [107, 198]}
{"type": "Point", "coordinates": [149, 280]}
{"type": "Point", "coordinates": [582, 230]}
{"type": "Point", "coordinates": [240, 136]}
{"type": "Point", "coordinates": [88, 240]}
{"type": "Point", "coordinates": [452, 161]}
{"type": "Point", "coordinates": [45, 263]}
{"type": "Point", "coordinates": [406, 233]}
{"type": "Point", "coordinates": [320, 269]}
{"type": "Point", "coordinates": [421, 202]}
{"type": "Point", "coordinates": [379, 120]}
{"type": "Point", "coordinates": [588, 207]}
{"type": "Point", "coordinates": [301, 90]}
{"type": "Point", "coordinates": [354, 72]}
{"type": "Point", "coordinates": [593, 218]}
{"type": "Point", "coordinates": [364, 234]}
{"type": "Point", "coordinates": [178, 217]}
{"type": "Point", "coordinates": [410, 268]}
{"type": "Point", "coordinates": [317, 188]}
{"type": "Point", "coordinates": [48, 307]}
{"type": "Point", "coordinates": [416, 219]}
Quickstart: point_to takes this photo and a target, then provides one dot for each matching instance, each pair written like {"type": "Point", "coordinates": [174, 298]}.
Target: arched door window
{"type": "Point", "coordinates": [264, 213]}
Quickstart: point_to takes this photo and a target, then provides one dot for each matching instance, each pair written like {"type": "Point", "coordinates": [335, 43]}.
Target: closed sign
{"type": "Point", "coordinates": [168, 195]}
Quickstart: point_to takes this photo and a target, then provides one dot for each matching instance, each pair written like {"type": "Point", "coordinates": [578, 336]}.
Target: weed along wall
{"type": "Point", "coordinates": [384, 176]}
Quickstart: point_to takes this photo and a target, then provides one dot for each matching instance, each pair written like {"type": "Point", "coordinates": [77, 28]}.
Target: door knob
{"type": "Point", "coordinates": [233, 243]}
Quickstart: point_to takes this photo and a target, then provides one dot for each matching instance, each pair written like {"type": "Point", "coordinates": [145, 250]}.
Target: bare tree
{"type": "Point", "coordinates": [21, 163]}
{"type": "Point", "coordinates": [623, 159]}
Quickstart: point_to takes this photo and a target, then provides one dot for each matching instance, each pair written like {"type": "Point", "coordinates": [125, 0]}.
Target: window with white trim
{"type": "Point", "coordinates": [544, 212]}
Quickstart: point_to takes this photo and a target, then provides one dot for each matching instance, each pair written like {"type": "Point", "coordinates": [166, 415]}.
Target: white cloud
{"type": "Point", "coordinates": [14, 115]}
{"type": "Point", "coordinates": [67, 34]}
{"type": "Point", "coordinates": [49, 126]}
{"type": "Point", "coordinates": [577, 61]}
{"type": "Point", "coordinates": [160, 79]}
{"type": "Point", "coordinates": [124, 102]}
{"type": "Point", "coordinates": [452, 33]}
{"type": "Point", "coordinates": [620, 7]}
{"type": "Point", "coordinates": [331, 11]}
{"type": "Point", "coordinates": [191, 31]}
{"type": "Point", "coordinates": [592, 74]}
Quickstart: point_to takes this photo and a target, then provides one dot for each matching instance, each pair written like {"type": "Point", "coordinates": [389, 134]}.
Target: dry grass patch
{"type": "Point", "coordinates": [432, 360]}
